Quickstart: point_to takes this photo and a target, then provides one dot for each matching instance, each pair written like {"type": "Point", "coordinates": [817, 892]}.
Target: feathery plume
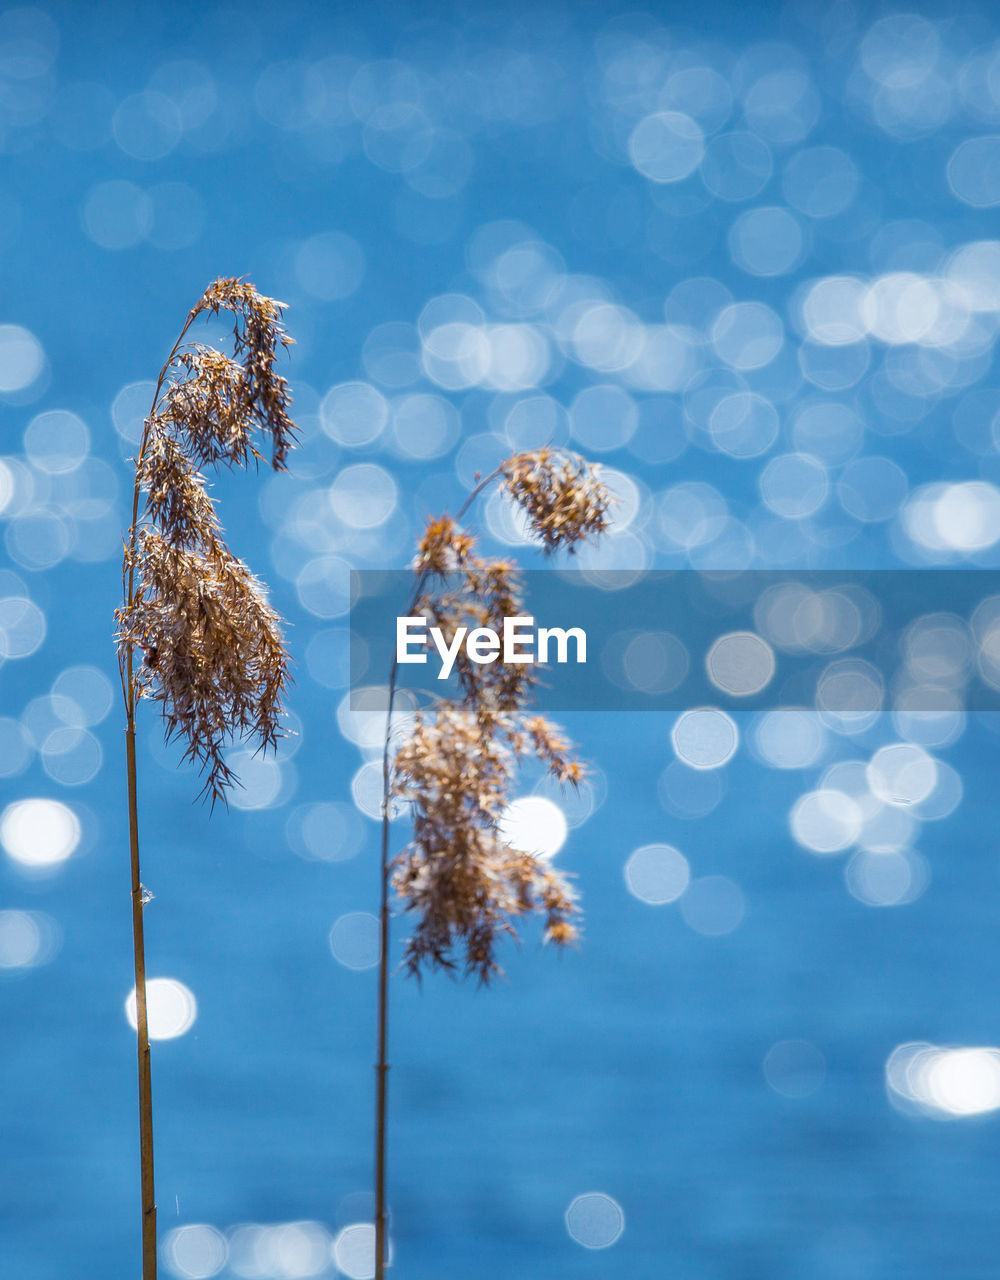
{"type": "Point", "coordinates": [214, 657]}
{"type": "Point", "coordinates": [561, 493]}
{"type": "Point", "coordinates": [464, 882]}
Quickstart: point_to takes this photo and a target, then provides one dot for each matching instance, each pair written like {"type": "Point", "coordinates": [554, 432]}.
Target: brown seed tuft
{"type": "Point", "coordinates": [457, 766]}
{"type": "Point", "coordinates": [561, 493]}
{"type": "Point", "coordinates": [212, 651]}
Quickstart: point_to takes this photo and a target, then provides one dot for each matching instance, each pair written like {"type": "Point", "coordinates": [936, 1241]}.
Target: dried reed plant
{"type": "Point", "coordinates": [195, 631]}
{"type": "Point", "coordinates": [456, 766]}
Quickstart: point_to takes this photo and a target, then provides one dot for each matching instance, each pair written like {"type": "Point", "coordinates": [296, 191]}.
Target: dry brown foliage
{"type": "Point", "coordinates": [561, 493]}
{"type": "Point", "coordinates": [212, 649]}
{"type": "Point", "coordinates": [457, 766]}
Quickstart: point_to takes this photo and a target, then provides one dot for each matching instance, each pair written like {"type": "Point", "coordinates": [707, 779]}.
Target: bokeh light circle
{"type": "Point", "coordinates": [534, 825]}
{"type": "Point", "coordinates": [354, 940]}
{"type": "Point", "coordinates": [826, 821]}
{"type": "Point", "coordinates": [22, 359]}
{"type": "Point", "coordinates": [595, 1220]}
{"type": "Point", "coordinates": [171, 1008]}
{"type": "Point", "coordinates": [705, 738]}
{"type": "Point", "coordinates": [713, 906]}
{"type": "Point", "coordinates": [667, 146]}
{"type": "Point", "coordinates": [657, 873]}
{"type": "Point", "coordinates": [39, 833]}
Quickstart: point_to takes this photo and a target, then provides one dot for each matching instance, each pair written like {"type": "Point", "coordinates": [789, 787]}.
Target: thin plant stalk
{"type": "Point", "coordinates": [142, 1029]}
{"type": "Point", "coordinates": [146, 1167]}
{"type": "Point", "coordinates": [382, 1065]}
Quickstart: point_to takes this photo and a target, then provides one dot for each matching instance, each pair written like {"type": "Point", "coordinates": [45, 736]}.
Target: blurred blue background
{"type": "Point", "coordinates": [743, 257]}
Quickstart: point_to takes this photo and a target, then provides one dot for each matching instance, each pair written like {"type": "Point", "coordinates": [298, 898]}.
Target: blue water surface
{"type": "Point", "coordinates": [744, 257]}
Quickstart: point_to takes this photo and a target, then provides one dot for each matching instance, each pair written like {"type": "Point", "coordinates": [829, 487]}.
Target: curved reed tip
{"type": "Point", "coordinates": [561, 493]}
{"type": "Point", "coordinates": [248, 393]}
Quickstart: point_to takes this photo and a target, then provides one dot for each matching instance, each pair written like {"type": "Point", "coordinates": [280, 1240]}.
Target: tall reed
{"type": "Point", "coordinates": [195, 631]}
{"type": "Point", "coordinates": [457, 764]}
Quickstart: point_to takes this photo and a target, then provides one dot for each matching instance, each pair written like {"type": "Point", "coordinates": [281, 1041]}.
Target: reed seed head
{"type": "Point", "coordinates": [213, 652]}
{"type": "Point", "coordinates": [456, 768]}
{"type": "Point", "coordinates": [466, 884]}
{"type": "Point", "coordinates": [561, 493]}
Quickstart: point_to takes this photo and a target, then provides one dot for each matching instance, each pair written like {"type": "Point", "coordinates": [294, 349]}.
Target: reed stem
{"type": "Point", "coordinates": [142, 1029]}
{"type": "Point", "coordinates": [382, 1065]}
{"type": "Point", "coordinates": [146, 1180]}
